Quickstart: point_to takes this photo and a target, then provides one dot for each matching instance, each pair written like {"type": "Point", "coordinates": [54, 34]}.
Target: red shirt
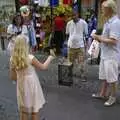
{"type": "Point", "coordinates": [67, 1]}
{"type": "Point", "coordinates": [59, 24]}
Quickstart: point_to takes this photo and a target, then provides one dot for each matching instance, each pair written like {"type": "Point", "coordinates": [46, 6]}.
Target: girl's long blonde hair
{"type": "Point", "coordinates": [19, 58]}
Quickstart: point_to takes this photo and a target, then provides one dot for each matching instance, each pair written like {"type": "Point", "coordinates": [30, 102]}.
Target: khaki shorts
{"type": "Point", "coordinates": [76, 53]}
{"type": "Point", "coordinates": [108, 70]}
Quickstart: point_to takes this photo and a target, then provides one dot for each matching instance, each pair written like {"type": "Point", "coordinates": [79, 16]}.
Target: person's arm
{"type": "Point", "coordinates": [114, 35]}
{"type": "Point", "coordinates": [39, 65]}
{"type": "Point", "coordinates": [99, 38]}
{"type": "Point", "coordinates": [12, 72]}
{"type": "Point", "coordinates": [67, 36]}
{"type": "Point", "coordinates": [85, 28]}
{"type": "Point", "coordinates": [67, 31]}
{"type": "Point", "coordinates": [85, 33]}
{"type": "Point", "coordinates": [10, 32]}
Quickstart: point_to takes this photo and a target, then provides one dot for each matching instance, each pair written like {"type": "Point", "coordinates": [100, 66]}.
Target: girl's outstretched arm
{"type": "Point", "coordinates": [42, 66]}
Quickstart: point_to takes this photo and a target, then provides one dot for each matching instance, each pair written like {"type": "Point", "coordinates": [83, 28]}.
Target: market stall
{"type": "Point", "coordinates": [47, 10]}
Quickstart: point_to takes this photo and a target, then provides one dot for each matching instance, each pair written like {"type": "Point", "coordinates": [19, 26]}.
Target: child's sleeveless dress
{"type": "Point", "coordinates": [29, 92]}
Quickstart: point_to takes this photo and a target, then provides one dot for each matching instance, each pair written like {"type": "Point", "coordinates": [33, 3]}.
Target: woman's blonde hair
{"type": "Point", "coordinates": [111, 4]}
{"type": "Point", "coordinates": [19, 58]}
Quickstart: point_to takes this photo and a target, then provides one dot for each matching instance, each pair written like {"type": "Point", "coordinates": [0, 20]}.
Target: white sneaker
{"type": "Point", "coordinates": [110, 101]}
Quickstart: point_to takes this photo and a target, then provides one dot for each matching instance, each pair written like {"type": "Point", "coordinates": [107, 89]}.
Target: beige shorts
{"type": "Point", "coordinates": [76, 53]}
{"type": "Point", "coordinates": [108, 70]}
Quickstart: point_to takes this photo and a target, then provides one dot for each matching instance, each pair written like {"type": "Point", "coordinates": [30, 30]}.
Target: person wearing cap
{"type": "Point", "coordinates": [25, 12]}
{"type": "Point", "coordinates": [76, 30]}
{"type": "Point", "coordinates": [110, 47]}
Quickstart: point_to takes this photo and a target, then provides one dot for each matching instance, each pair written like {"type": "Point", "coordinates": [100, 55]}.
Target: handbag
{"type": "Point", "coordinates": [13, 74]}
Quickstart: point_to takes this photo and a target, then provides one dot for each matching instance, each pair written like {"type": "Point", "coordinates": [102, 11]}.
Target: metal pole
{"type": "Point", "coordinates": [79, 2]}
{"type": "Point", "coordinates": [17, 5]}
{"type": "Point", "coordinates": [96, 7]}
{"type": "Point", "coordinates": [51, 8]}
{"type": "Point", "coordinates": [2, 43]}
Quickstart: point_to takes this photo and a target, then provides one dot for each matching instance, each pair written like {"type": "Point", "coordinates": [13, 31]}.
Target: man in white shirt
{"type": "Point", "coordinates": [110, 50]}
{"type": "Point", "coordinates": [76, 30]}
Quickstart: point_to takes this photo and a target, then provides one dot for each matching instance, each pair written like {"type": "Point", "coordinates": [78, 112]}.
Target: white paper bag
{"type": "Point", "coordinates": [94, 49]}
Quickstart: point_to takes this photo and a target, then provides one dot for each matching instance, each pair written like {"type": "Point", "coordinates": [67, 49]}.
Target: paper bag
{"type": "Point", "coordinates": [94, 49]}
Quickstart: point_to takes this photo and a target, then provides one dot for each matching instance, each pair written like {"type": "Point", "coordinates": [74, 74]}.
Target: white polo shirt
{"type": "Point", "coordinates": [76, 32]}
{"type": "Point", "coordinates": [111, 30]}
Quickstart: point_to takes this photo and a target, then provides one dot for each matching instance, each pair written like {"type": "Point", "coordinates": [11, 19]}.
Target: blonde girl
{"type": "Point", "coordinates": [29, 92]}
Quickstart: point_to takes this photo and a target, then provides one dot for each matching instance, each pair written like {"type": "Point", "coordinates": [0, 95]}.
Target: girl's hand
{"type": "Point", "coordinates": [51, 57]}
{"type": "Point", "coordinates": [52, 53]}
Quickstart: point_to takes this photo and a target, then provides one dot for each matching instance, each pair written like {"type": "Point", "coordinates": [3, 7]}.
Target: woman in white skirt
{"type": "Point", "coordinates": [29, 92]}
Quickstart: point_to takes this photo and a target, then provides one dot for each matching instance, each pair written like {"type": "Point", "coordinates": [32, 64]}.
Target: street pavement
{"type": "Point", "coordinates": [62, 102]}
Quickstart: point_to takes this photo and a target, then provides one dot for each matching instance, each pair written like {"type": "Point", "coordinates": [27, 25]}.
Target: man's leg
{"type": "Point", "coordinates": [113, 89]}
{"type": "Point", "coordinates": [111, 67]}
{"type": "Point", "coordinates": [57, 42]}
{"type": "Point", "coordinates": [82, 63]}
{"type": "Point", "coordinates": [112, 97]}
{"type": "Point", "coordinates": [71, 58]}
{"type": "Point", "coordinates": [104, 85]}
{"type": "Point", "coordinates": [71, 55]}
{"type": "Point", "coordinates": [103, 89]}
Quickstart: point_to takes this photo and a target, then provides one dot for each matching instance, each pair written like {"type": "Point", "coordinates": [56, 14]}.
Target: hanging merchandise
{"type": "Point", "coordinates": [75, 6]}
{"type": "Point", "coordinates": [67, 2]}
{"type": "Point", "coordinates": [54, 3]}
{"type": "Point", "coordinates": [23, 2]}
{"type": "Point", "coordinates": [36, 1]}
{"type": "Point", "coordinates": [25, 11]}
{"type": "Point", "coordinates": [43, 3]}
{"type": "Point", "coordinates": [60, 2]}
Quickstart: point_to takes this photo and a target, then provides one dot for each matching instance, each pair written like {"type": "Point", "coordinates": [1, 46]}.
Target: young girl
{"type": "Point", "coordinates": [29, 92]}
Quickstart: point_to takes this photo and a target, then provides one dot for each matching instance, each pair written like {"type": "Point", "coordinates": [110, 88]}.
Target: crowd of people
{"type": "Point", "coordinates": [75, 34]}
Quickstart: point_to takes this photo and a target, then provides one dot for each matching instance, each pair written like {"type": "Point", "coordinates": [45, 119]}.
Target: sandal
{"type": "Point", "coordinates": [97, 96]}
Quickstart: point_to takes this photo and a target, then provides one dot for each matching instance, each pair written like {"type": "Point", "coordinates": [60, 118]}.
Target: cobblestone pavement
{"type": "Point", "coordinates": [62, 103]}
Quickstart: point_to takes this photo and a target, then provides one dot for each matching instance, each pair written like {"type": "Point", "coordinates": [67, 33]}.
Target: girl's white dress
{"type": "Point", "coordinates": [29, 92]}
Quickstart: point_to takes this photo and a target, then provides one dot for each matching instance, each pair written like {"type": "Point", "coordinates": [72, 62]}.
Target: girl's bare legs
{"type": "Point", "coordinates": [35, 116]}
{"type": "Point", "coordinates": [24, 116]}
